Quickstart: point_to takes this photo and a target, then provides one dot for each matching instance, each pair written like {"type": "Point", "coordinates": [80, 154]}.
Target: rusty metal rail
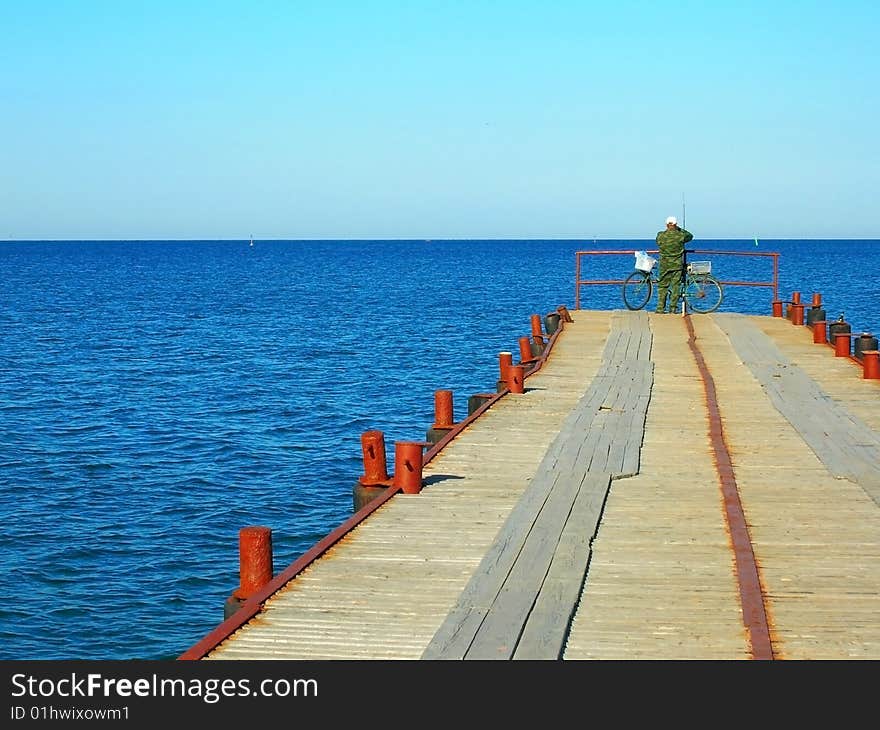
{"type": "Point", "coordinates": [752, 597]}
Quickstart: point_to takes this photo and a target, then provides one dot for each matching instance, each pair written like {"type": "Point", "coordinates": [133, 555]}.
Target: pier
{"type": "Point", "coordinates": [664, 487]}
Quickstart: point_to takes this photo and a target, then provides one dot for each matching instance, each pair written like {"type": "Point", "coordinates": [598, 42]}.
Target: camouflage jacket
{"type": "Point", "coordinates": [670, 242]}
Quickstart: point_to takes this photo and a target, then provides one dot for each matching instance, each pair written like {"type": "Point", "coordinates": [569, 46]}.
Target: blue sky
{"type": "Point", "coordinates": [472, 119]}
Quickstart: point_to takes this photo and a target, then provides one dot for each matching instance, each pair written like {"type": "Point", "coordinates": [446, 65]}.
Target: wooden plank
{"type": "Point", "coordinates": [827, 427]}
{"type": "Point", "coordinates": [453, 638]}
{"type": "Point", "coordinates": [512, 575]}
{"type": "Point", "coordinates": [623, 429]}
{"type": "Point", "coordinates": [653, 590]}
{"type": "Point", "coordinates": [815, 535]}
{"type": "Point", "coordinates": [605, 415]}
{"type": "Point", "coordinates": [547, 627]}
{"type": "Point", "coordinates": [497, 636]}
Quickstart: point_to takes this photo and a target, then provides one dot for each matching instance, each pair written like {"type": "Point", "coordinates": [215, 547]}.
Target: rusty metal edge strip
{"type": "Point", "coordinates": [748, 576]}
{"type": "Point", "coordinates": [254, 604]}
{"type": "Point", "coordinates": [462, 425]}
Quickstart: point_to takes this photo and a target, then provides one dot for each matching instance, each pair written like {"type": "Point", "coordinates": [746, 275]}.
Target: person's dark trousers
{"type": "Point", "coordinates": [668, 284]}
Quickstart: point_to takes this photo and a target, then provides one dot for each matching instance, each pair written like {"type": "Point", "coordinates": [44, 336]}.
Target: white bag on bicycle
{"type": "Point", "coordinates": [644, 262]}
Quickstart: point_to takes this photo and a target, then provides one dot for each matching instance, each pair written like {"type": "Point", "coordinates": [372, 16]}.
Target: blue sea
{"type": "Point", "coordinates": [156, 397]}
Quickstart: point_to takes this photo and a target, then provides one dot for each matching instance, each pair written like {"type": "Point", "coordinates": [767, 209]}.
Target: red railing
{"type": "Point", "coordinates": [579, 282]}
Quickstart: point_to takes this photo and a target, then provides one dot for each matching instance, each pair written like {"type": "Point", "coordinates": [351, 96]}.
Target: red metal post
{"type": "Point", "coordinates": [795, 299]}
{"type": "Point", "coordinates": [841, 344]}
{"type": "Point", "coordinates": [517, 379]}
{"type": "Point", "coordinates": [817, 300]}
{"type": "Point", "coordinates": [775, 276]}
{"type": "Point", "coordinates": [505, 360]}
{"type": "Point", "coordinates": [443, 409]}
{"type": "Point", "coordinates": [408, 466]}
{"type": "Point", "coordinates": [871, 364]}
{"type": "Point", "coordinates": [536, 325]}
{"type": "Point", "coordinates": [255, 560]}
{"type": "Point", "coordinates": [777, 309]}
{"type": "Point", "coordinates": [375, 469]}
{"type": "Point", "coordinates": [820, 333]}
{"type": "Point", "coordinates": [525, 350]}
{"type": "Point", "coordinates": [797, 313]}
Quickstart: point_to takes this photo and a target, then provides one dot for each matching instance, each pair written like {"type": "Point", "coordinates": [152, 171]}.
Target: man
{"type": "Point", "coordinates": [670, 243]}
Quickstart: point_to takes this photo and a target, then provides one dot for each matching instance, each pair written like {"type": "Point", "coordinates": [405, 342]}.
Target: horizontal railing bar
{"type": "Point", "coordinates": [772, 284]}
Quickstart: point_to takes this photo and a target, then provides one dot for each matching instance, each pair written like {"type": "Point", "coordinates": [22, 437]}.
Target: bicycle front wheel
{"type": "Point", "coordinates": [637, 288]}
{"type": "Point", "coordinates": [703, 293]}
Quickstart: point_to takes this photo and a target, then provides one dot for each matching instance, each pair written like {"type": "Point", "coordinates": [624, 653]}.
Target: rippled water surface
{"type": "Point", "coordinates": [155, 397]}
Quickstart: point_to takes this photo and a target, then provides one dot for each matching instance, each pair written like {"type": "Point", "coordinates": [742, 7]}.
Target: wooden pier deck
{"type": "Point", "coordinates": [667, 487]}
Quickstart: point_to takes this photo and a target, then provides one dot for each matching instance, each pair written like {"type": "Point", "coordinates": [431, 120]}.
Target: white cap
{"type": "Point", "coordinates": [672, 219]}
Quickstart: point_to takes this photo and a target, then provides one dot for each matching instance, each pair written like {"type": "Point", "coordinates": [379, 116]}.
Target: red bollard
{"type": "Point", "coordinates": [797, 313]}
{"type": "Point", "coordinates": [517, 379]}
{"type": "Point", "coordinates": [841, 344]}
{"type": "Point", "coordinates": [443, 409]}
{"type": "Point", "coordinates": [375, 477]}
{"type": "Point", "coordinates": [408, 466]}
{"type": "Point", "coordinates": [373, 446]}
{"type": "Point", "coordinates": [817, 300]}
{"type": "Point", "coordinates": [525, 350]}
{"type": "Point", "coordinates": [564, 313]}
{"type": "Point", "coordinates": [505, 360]}
{"type": "Point", "coordinates": [777, 308]}
{"type": "Point", "coordinates": [536, 325]}
{"type": "Point", "coordinates": [871, 364]}
{"type": "Point", "coordinates": [255, 560]}
{"type": "Point", "coordinates": [795, 299]}
{"type": "Point", "coordinates": [443, 416]}
{"type": "Point", "coordinates": [820, 334]}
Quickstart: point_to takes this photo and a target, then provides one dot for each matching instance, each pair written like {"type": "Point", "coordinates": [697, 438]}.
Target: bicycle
{"type": "Point", "coordinates": [701, 292]}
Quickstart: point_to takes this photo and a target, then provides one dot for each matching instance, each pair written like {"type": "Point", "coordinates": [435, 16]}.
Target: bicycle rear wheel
{"type": "Point", "coordinates": [703, 293]}
{"type": "Point", "coordinates": [637, 288]}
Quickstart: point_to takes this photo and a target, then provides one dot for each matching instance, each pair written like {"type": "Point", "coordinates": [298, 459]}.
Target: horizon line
{"type": "Point", "coordinates": [418, 239]}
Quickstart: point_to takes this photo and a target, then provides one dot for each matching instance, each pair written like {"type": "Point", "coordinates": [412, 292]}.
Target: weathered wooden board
{"type": "Point", "coordinates": [572, 479]}
{"type": "Point", "coordinates": [846, 445]}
